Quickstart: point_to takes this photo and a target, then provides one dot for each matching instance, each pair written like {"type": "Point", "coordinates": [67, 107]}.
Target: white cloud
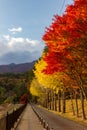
{"type": "Point", "coordinates": [32, 42]}
{"type": "Point", "coordinates": [20, 45]}
{"type": "Point", "coordinates": [15, 30]}
{"type": "Point", "coordinates": [14, 41]}
{"type": "Point", "coordinates": [6, 37]}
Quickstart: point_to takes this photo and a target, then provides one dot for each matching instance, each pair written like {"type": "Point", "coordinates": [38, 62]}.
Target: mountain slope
{"type": "Point", "coordinates": [16, 68]}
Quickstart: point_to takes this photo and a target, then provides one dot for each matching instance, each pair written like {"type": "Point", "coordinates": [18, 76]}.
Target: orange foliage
{"type": "Point", "coordinates": [66, 31]}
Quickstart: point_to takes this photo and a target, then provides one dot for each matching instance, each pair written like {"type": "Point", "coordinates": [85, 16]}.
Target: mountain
{"type": "Point", "coordinates": [16, 68]}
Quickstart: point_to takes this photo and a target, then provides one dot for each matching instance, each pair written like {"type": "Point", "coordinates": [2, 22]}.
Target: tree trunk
{"type": "Point", "coordinates": [82, 105]}
{"type": "Point", "coordinates": [77, 110]}
{"type": "Point", "coordinates": [59, 101]}
{"type": "Point", "coordinates": [52, 102]}
{"type": "Point", "coordinates": [55, 107]}
{"type": "Point", "coordinates": [63, 102]}
{"type": "Point", "coordinates": [72, 104]}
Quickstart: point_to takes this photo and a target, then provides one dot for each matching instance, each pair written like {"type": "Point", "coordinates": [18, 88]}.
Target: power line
{"type": "Point", "coordinates": [62, 7]}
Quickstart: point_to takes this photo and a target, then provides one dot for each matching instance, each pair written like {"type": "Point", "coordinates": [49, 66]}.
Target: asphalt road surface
{"type": "Point", "coordinates": [57, 122]}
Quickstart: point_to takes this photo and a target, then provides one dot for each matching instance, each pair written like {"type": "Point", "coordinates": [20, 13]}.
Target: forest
{"type": "Point", "coordinates": [14, 87]}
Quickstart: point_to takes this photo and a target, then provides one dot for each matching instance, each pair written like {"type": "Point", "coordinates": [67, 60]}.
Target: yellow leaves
{"type": "Point", "coordinates": [35, 88]}
{"type": "Point", "coordinates": [48, 81]}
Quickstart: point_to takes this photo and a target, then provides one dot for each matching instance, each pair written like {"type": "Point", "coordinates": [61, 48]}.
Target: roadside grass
{"type": "Point", "coordinates": [69, 113]}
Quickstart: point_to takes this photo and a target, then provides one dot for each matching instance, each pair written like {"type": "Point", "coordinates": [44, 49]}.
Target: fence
{"type": "Point", "coordinates": [7, 122]}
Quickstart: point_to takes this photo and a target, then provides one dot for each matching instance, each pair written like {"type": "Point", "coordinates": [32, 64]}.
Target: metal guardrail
{"type": "Point", "coordinates": [42, 120]}
{"type": "Point", "coordinates": [7, 122]}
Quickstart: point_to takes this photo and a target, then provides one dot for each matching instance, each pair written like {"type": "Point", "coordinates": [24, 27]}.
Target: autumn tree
{"type": "Point", "coordinates": [24, 98]}
{"type": "Point", "coordinates": [37, 91]}
{"type": "Point", "coordinates": [66, 40]}
{"type": "Point", "coordinates": [52, 83]}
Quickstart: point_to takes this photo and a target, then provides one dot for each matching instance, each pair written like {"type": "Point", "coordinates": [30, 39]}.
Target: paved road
{"type": "Point", "coordinates": [59, 123]}
{"type": "Point", "coordinates": [29, 120]}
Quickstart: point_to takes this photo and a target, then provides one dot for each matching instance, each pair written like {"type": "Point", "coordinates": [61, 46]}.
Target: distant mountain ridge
{"type": "Point", "coordinates": [16, 68]}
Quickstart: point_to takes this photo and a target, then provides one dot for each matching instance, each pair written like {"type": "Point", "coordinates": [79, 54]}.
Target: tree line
{"type": "Point", "coordinates": [61, 72]}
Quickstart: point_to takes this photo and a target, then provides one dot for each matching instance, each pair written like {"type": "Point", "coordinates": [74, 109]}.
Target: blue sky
{"type": "Point", "coordinates": [22, 25]}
